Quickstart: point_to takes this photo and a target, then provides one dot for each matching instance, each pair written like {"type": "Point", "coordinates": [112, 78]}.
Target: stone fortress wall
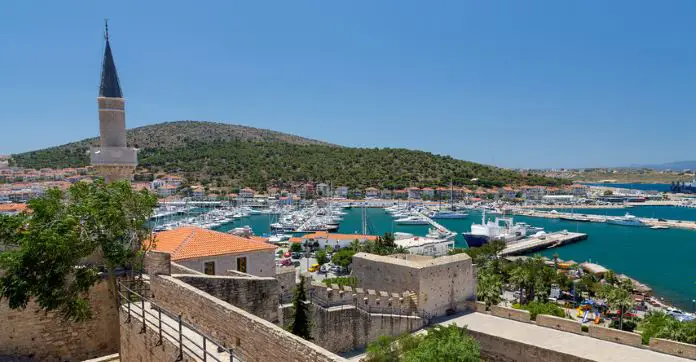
{"type": "Point", "coordinates": [441, 285]}
{"type": "Point", "coordinates": [46, 336]}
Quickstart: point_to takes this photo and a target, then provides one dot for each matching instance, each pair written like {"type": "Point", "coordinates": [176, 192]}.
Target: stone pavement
{"type": "Point", "coordinates": [551, 339]}
{"type": "Point", "coordinates": [192, 341]}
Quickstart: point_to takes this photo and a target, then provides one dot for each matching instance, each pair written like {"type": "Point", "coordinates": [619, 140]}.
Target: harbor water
{"type": "Point", "coordinates": [662, 259]}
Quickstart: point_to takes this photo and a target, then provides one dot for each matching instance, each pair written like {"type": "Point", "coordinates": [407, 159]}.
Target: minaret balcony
{"type": "Point", "coordinates": [113, 156]}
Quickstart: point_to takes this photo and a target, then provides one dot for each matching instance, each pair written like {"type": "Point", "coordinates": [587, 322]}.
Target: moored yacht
{"type": "Point", "coordinates": [626, 220]}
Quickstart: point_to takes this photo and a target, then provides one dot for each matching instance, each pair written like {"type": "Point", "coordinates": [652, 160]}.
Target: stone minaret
{"type": "Point", "coordinates": [112, 159]}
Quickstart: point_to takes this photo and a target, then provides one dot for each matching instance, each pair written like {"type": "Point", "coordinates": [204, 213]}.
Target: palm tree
{"type": "Point", "coordinates": [489, 286]}
{"type": "Point", "coordinates": [622, 299]}
{"type": "Point", "coordinates": [356, 246]}
{"type": "Point", "coordinates": [517, 279]}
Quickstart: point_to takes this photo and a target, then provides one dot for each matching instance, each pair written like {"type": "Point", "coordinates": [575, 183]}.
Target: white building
{"type": "Point", "coordinates": [425, 246]}
{"type": "Point", "coordinates": [371, 193]}
{"type": "Point", "coordinates": [322, 189]}
{"type": "Point", "coordinates": [342, 191]}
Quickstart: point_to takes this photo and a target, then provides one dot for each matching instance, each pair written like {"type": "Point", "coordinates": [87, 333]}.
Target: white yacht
{"type": "Point", "coordinates": [626, 220]}
{"type": "Point", "coordinates": [412, 220]}
{"type": "Point", "coordinates": [449, 215]}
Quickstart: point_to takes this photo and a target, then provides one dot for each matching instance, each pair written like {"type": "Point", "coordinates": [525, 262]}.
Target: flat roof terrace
{"type": "Point", "coordinates": [551, 339]}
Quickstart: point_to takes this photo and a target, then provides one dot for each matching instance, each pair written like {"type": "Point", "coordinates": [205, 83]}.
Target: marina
{"type": "Point", "coordinates": [635, 251]}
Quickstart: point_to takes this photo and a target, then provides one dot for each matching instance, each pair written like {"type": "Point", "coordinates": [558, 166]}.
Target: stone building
{"type": "Point", "coordinates": [112, 159]}
{"type": "Point", "coordinates": [441, 285]}
{"type": "Point", "coordinates": [215, 253]}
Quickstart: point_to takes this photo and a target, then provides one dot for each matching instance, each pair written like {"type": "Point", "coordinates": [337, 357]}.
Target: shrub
{"type": "Point", "coordinates": [628, 325]}
{"type": "Point", "coordinates": [536, 308]}
{"type": "Point", "coordinates": [585, 328]}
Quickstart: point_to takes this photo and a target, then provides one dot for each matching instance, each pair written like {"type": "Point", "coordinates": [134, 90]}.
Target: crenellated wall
{"type": "Point", "coordinates": [441, 285]}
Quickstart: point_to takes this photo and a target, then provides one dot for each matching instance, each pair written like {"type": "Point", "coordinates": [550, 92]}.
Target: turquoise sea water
{"type": "Point", "coordinates": [663, 259]}
{"type": "Point", "coordinates": [662, 212]}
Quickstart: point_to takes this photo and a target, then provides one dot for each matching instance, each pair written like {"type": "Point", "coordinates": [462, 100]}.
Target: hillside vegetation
{"type": "Point", "coordinates": [224, 155]}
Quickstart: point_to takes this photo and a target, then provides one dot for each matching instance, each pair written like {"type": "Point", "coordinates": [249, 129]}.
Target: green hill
{"type": "Point", "coordinates": [230, 155]}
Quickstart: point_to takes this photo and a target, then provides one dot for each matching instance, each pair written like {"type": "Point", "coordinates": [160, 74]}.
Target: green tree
{"type": "Point", "coordinates": [622, 299]}
{"type": "Point", "coordinates": [321, 257]}
{"type": "Point", "coordinates": [295, 247]}
{"type": "Point", "coordinates": [449, 343]}
{"type": "Point", "coordinates": [301, 324]}
{"type": "Point", "coordinates": [329, 249]}
{"type": "Point", "coordinates": [343, 257]}
{"type": "Point", "coordinates": [489, 286]}
{"type": "Point", "coordinates": [56, 255]}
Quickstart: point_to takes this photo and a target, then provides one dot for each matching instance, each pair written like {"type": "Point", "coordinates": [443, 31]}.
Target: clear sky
{"type": "Point", "coordinates": [512, 83]}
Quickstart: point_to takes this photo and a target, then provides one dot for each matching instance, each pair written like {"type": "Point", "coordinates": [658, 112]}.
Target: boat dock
{"type": "Point", "coordinates": [545, 241]}
{"type": "Point", "coordinates": [436, 225]}
{"type": "Point", "coordinates": [681, 224]}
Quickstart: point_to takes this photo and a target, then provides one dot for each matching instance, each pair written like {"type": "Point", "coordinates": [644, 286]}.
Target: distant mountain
{"type": "Point", "coordinates": [220, 155]}
{"type": "Point", "coordinates": [675, 166]}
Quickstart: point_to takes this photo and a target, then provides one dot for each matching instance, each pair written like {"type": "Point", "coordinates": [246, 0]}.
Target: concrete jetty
{"type": "Point", "coordinates": [542, 242]}
{"type": "Point", "coordinates": [435, 224]}
{"type": "Point", "coordinates": [681, 224]}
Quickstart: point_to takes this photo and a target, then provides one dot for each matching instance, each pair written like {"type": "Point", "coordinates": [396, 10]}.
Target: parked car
{"type": "Point", "coordinates": [324, 269]}
{"type": "Point", "coordinates": [313, 268]}
{"type": "Point", "coordinates": [286, 262]}
{"type": "Point", "coordinates": [297, 255]}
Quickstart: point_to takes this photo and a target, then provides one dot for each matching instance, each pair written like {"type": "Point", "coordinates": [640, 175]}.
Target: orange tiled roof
{"type": "Point", "coordinates": [12, 207]}
{"type": "Point", "coordinates": [194, 242]}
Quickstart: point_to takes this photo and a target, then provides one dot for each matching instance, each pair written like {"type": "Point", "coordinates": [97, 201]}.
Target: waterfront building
{"type": "Point", "coordinates": [400, 194]}
{"type": "Point", "coordinates": [341, 191]}
{"type": "Point", "coordinates": [414, 193]}
{"type": "Point", "coordinates": [215, 253]}
{"type": "Point", "coordinates": [419, 245]}
{"type": "Point", "coordinates": [386, 194]}
{"type": "Point", "coordinates": [322, 189]}
{"type": "Point", "coordinates": [371, 193]}
{"type": "Point", "coordinates": [427, 193]}
{"type": "Point", "coordinates": [198, 192]}
{"type": "Point", "coordinates": [247, 193]}
{"type": "Point", "coordinates": [336, 241]}
{"type": "Point", "coordinates": [112, 159]}
{"type": "Point", "coordinates": [166, 190]}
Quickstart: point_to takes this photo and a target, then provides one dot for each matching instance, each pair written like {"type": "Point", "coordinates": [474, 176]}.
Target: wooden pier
{"type": "Point", "coordinates": [545, 241]}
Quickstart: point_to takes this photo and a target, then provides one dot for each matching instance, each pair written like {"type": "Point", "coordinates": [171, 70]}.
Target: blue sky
{"type": "Point", "coordinates": [512, 83]}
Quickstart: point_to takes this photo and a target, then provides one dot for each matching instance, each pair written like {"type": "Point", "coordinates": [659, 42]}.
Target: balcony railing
{"type": "Point", "coordinates": [113, 156]}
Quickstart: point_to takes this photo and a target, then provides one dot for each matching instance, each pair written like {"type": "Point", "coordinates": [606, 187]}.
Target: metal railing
{"type": "Point", "coordinates": [133, 301]}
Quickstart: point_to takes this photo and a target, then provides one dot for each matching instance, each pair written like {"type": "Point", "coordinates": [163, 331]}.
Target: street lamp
{"type": "Point", "coordinates": [693, 305]}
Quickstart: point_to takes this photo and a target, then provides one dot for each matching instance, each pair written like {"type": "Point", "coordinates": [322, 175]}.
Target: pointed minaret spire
{"type": "Point", "coordinates": [110, 86]}
{"type": "Point", "coordinates": [113, 159]}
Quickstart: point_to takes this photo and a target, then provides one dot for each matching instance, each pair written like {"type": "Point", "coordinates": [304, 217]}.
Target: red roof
{"type": "Point", "coordinates": [194, 242]}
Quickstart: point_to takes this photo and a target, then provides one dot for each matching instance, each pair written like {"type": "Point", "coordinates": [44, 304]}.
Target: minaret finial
{"type": "Point", "coordinates": [106, 29]}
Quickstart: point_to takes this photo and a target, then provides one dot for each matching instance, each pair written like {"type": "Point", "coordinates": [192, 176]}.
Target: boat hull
{"type": "Point", "coordinates": [475, 240]}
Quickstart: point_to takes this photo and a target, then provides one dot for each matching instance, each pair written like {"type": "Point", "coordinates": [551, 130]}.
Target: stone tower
{"type": "Point", "coordinates": [112, 159]}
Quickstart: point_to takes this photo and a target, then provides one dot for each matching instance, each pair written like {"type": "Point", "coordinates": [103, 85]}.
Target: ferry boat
{"type": "Point", "coordinates": [500, 229]}
{"type": "Point", "coordinates": [626, 220]}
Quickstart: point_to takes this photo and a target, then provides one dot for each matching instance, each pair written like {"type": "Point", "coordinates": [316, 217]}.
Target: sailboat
{"type": "Point", "coordinates": [451, 214]}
